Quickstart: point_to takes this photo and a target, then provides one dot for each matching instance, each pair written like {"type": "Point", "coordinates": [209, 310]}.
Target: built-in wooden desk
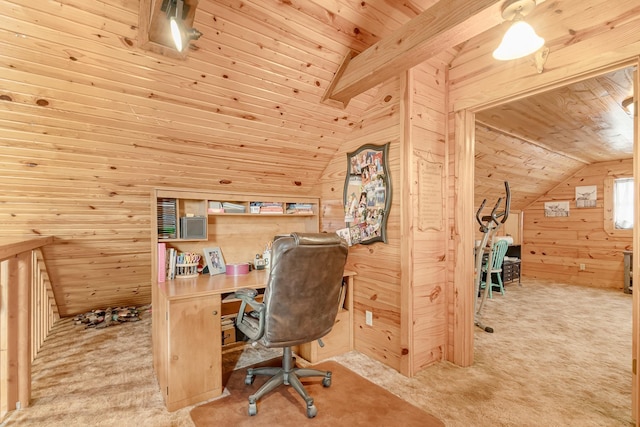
{"type": "Point", "coordinates": [187, 333]}
{"type": "Point", "coordinates": [206, 284]}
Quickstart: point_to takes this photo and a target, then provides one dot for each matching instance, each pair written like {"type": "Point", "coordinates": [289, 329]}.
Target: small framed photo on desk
{"type": "Point", "coordinates": [215, 261]}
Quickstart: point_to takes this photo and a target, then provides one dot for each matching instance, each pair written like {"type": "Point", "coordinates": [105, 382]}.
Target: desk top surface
{"type": "Point", "coordinates": [205, 284]}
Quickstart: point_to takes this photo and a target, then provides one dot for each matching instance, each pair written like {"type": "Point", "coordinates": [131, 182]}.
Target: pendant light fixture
{"type": "Point", "coordinates": [179, 33]}
{"type": "Point", "coordinates": [520, 39]}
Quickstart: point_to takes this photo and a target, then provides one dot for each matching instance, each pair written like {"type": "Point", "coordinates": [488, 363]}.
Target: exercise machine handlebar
{"type": "Point", "coordinates": [488, 226]}
{"type": "Point", "coordinates": [507, 203]}
{"type": "Point", "coordinates": [495, 215]}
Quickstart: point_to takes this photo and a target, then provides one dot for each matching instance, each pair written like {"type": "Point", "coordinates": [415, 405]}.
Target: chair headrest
{"type": "Point", "coordinates": [310, 239]}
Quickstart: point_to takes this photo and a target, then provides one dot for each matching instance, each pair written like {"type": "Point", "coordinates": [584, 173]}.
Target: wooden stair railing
{"type": "Point", "coordinates": [28, 311]}
{"type": "Point", "coordinates": [44, 308]}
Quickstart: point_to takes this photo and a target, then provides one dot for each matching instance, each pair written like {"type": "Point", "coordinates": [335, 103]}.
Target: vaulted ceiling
{"type": "Point", "coordinates": [249, 92]}
{"type": "Point", "coordinates": [539, 141]}
{"type": "Point", "coordinates": [91, 117]}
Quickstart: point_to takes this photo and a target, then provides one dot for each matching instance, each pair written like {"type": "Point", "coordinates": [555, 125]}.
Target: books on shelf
{"type": "Point", "coordinates": [260, 207]}
{"type": "Point", "coordinates": [271, 208]}
{"type": "Point", "coordinates": [167, 219]}
{"type": "Point", "coordinates": [170, 262]}
{"type": "Point", "coordinates": [228, 319]}
{"type": "Point", "coordinates": [299, 208]}
{"type": "Point", "coordinates": [265, 208]}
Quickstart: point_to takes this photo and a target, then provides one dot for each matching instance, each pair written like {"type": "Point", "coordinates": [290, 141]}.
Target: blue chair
{"type": "Point", "coordinates": [499, 251]}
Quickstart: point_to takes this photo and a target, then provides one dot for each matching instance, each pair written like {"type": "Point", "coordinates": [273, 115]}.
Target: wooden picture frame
{"type": "Point", "coordinates": [367, 194]}
{"type": "Point", "coordinates": [586, 196]}
{"type": "Point", "coordinates": [556, 209]}
{"type": "Point", "coordinates": [214, 260]}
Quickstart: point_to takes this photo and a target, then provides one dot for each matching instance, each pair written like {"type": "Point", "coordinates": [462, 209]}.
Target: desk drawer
{"type": "Point", "coordinates": [335, 342]}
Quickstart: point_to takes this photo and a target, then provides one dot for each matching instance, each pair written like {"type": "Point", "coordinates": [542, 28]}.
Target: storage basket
{"type": "Point", "coordinates": [185, 271]}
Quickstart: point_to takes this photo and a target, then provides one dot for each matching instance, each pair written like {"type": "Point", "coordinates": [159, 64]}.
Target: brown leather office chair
{"type": "Point", "coordinates": [300, 305]}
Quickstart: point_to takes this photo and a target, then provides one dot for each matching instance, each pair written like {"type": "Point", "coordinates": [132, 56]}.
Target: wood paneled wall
{"type": "Point", "coordinates": [90, 123]}
{"type": "Point", "coordinates": [402, 282]}
{"type": "Point", "coordinates": [377, 284]}
{"type": "Point", "coordinates": [426, 151]}
{"type": "Point", "coordinates": [554, 247]}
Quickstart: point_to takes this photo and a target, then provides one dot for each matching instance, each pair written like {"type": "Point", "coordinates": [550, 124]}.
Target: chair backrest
{"type": "Point", "coordinates": [303, 291]}
{"type": "Point", "coordinates": [499, 251]}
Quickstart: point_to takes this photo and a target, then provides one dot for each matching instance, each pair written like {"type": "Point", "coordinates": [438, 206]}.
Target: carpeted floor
{"type": "Point", "coordinates": [560, 356]}
{"type": "Point", "coordinates": [351, 400]}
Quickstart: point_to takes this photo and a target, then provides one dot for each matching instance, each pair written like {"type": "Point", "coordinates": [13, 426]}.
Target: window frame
{"type": "Point", "coordinates": [609, 217]}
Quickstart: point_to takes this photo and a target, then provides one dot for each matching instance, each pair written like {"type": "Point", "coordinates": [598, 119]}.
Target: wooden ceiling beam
{"type": "Point", "coordinates": [442, 26]}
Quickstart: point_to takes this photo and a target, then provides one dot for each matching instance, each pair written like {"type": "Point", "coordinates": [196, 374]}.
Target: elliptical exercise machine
{"type": "Point", "coordinates": [489, 225]}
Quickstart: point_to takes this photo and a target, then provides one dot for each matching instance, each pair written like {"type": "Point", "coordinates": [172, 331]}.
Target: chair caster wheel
{"type": "Point", "coordinates": [253, 409]}
{"type": "Point", "coordinates": [311, 411]}
{"type": "Point", "coordinates": [248, 380]}
{"type": "Point", "coordinates": [326, 382]}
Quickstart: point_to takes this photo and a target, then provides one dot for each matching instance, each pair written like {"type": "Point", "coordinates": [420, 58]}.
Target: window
{"type": "Point", "coordinates": [623, 203]}
{"type": "Point", "coordinates": [618, 206]}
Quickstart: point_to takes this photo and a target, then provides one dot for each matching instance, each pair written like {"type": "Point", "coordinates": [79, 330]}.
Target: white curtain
{"type": "Point", "coordinates": [623, 203]}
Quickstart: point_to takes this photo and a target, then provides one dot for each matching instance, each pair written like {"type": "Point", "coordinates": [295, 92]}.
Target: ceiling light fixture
{"type": "Point", "coordinates": [180, 34]}
{"type": "Point", "coordinates": [628, 105]}
{"type": "Point", "coordinates": [520, 39]}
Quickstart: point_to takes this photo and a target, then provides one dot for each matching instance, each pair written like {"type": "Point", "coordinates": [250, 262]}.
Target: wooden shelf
{"type": "Point", "coordinates": [181, 240]}
{"type": "Point", "coordinates": [260, 214]}
{"type": "Point", "coordinates": [187, 312]}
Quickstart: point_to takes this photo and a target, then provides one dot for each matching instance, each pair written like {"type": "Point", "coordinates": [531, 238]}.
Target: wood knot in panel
{"type": "Point", "coordinates": [435, 293]}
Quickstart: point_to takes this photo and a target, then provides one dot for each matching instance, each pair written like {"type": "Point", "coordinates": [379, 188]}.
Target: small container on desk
{"type": "Point", "coordinates": [186, 271]}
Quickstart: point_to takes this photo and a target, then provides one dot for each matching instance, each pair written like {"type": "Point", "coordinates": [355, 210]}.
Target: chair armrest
{"type": "Point", "coordinates": [248, 297]}
{"type": "Point", "coordinates": [246, 293]}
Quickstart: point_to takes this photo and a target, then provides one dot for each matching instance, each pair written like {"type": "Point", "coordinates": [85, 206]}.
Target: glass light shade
{"type": "Point", "coordinates": [176, 33]}
{"type": "Point", "coordinates": [519, 40]}
{"type": "Point", "coordinates": [631, 109]}
{"type": "Point", "coordinates": [628, 105]}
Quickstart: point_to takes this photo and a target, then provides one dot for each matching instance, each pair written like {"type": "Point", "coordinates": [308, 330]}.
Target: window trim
{"type": "Point", "coordinates": [609, 226]}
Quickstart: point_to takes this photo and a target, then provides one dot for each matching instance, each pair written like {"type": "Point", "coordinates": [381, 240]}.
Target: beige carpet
{"type": "Point", "coordinates": [351, 400]}
{"type": "Point", "coordinates": [560, 356]}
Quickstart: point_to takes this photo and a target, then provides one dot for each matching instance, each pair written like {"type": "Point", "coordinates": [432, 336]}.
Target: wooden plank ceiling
{"type": "Point", "coordinates": [90, 121]}
{"type": "Point", "coordinates": [540, 141]}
